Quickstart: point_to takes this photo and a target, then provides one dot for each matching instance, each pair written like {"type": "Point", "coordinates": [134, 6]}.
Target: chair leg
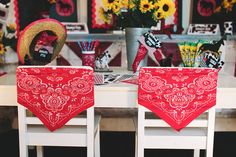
{"type": "Point", "coordinates": [135, 121]}
{"type": "Point", "coordinates": [141, 115]}
{"type": "Point", "coordinates": [90, 132]}
{"type": "Point", "coordinates": [196, 153]}
{"type": "Point", "coordinates": [97, 142]}
{"type": "Point", "coordinates": [209, 153]}
{"type": "Point", "coordinates": [136, 144]}
{"type": "Point", "coordinates": [23, 148]}
{"type": "Point", "coordinates": [210, 132]}
{"type": "Point", "coordinates": [39, 150]}
{"type": "Point", "coordinates": [140, 148]}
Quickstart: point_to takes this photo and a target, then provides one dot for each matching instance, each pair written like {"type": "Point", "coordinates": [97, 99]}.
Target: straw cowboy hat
{"type": "Point", "coordinates": [28, 39]}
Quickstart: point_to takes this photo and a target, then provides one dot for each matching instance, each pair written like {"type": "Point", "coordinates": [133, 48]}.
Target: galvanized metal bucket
{"type": "Point", "coordinates": [131, 37]}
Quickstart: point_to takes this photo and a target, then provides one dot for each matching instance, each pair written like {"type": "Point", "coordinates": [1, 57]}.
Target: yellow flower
{"type": "Point", "coordinates": [166, 8]}
{"type": "Point", "coordinates": [157, 15]}
{"type": "Point", "coordinates": [116, 7]}
{"type": "Point", "coordinates": [228, 4]}
{"type": "Point", "coordinates": [2, 49]}
{"type": "Point", "coordinates": [131, 4]}
{"type": "Point", "coordinates": [104, 16]}
{"type": "Point", "coordinates": [109, 3]}
{"type": "Point", "coordinates": [145, 6]}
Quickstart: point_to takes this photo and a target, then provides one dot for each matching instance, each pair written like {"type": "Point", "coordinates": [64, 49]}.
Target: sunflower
{"type": "Point", "coordinates": [145, 6]}
{"type": "Point", "coordinates": [105, 16]}
{"type": "Point", "coordinates": [157, 15]}
{"type": "Point", "coordinates": [2, 49]}
{"type": "Point", "coordinates": [166, 8]}
{"type": "Point", "coordinates": [116, 7]}
{"type": "Point", "coordinates": [109, 3]}
{"type": "Point", "coordinates": [131, 4]}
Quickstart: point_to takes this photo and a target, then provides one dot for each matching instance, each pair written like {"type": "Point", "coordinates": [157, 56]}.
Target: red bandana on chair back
{"type": "Point", "coordinates": [55, 94]}
{"type": "Point", "coordinates": [177, 95]}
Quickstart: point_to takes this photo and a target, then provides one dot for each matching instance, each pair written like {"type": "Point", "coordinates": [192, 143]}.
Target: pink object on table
{"type": "Point", "coordinates": [177, 95]}
{"type": "Point", "coordinates": [2, 73]}
{"type": "Point", "coordinates": [132, 80]}
{"type": "Point", "coordinates": [88, 58]}
{"type": "Point", "coordinates": [55, 94]}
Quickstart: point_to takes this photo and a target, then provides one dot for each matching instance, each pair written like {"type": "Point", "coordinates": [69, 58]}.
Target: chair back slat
{"type": "Point", "coordinates": [74, 121]}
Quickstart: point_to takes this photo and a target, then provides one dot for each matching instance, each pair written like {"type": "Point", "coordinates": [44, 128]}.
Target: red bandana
{"type": "Point", "coordinates": [46, 39]}
{"type": "Point", "coordinates": [177, 95]}
{"type": "Point", "coordinates": [142, 52]}
{"type": "Point", "coordinates": [55, 95]}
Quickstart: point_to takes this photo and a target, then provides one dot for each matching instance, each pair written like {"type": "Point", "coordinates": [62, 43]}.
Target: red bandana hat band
{"type": "Point", "coordinates": [46, 39]}
{"type": "Point", "coordinates": [55, 95]}
{"type": "Point", "coordinates": [177, 95]}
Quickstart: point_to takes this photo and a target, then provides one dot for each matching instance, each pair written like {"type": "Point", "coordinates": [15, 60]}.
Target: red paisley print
{"type": "Point", "coordinates": [54, 100]}
{"type": "Point", "coordinates": [177, 95]}
{"type": "Point", "coordinates": [55, 95]}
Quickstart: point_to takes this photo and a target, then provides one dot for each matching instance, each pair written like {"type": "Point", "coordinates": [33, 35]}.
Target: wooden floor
{"type": "Point", "coordinates": [118, 144]}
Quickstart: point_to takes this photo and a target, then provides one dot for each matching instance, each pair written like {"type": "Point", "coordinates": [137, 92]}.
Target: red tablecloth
{"type": "Point", "coordinates": [177, 95]}
{"type": "Point", "coordinates": [55, 95]}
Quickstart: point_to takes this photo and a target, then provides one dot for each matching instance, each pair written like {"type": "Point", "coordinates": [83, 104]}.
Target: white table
{"type": "Point", "coordinates": [123, 95]}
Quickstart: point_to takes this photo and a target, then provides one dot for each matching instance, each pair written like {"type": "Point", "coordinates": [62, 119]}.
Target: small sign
{"type": "Point", "coordinates": [150, 41]}
{"type": "Point", "coordinates": [204, 29]}
{"type": "Point", "coordinates": [76, 28]}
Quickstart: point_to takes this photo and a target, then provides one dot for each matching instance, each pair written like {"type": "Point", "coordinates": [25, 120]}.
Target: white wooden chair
{"type": "Point", "coordinates": [154, 133]}
{"type": "Point", "coordinates": [80, 131]}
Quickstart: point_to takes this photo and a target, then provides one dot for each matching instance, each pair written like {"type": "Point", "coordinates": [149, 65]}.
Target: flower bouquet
{"type": "Point", "coordinates": [7, 39]}
{"type": "Point", "coordinates": [135, 13]}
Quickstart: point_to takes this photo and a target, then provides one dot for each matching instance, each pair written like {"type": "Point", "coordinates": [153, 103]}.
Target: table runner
{"type": "Point", "coordinates": [177, 95]}
{"type": "Point", "coordinates": [55, 94]}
